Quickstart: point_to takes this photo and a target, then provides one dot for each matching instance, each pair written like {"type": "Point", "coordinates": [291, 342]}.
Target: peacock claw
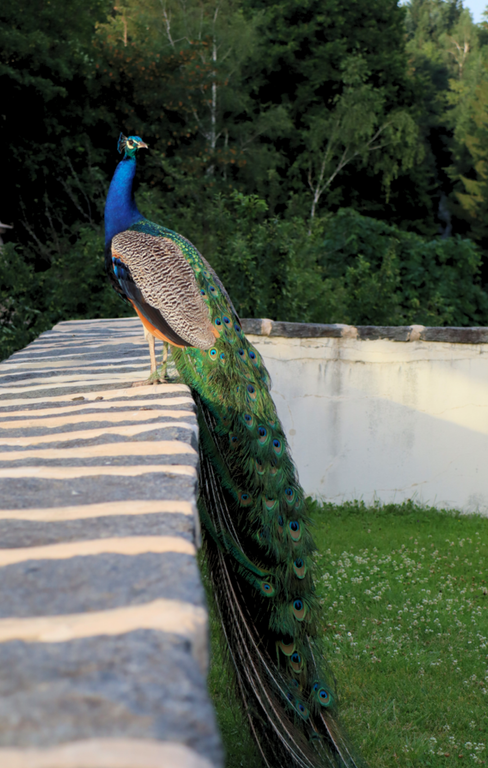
{"type": "Point", "coordinates": [146, 382]}
{"type": "Point", "coordinates": [157, 376]}
{"type": "Point", "coordinates": [153, 378]}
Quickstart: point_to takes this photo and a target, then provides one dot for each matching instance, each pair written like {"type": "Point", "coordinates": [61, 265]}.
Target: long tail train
{"type": "Point", "coordinates": [288, 691]}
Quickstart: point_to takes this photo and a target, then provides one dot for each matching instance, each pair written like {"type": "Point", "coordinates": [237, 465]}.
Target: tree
{"type": "Point", "coordinates": [356, 128]}
{"type": "Point", "coordinates": [302, 53]}
{"type": "Point", "coordinates": [193, 52]}
{"type": "Point", "coordinates": [46, 66]}
{"type": "Point", "coordinates": [427, 22]}
{"type": "Point", "coordinates": [472, 192]}
{"type": "Point", "coordinates": [466, 116]}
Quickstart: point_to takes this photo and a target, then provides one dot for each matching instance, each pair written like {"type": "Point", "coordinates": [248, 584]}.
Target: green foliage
{"type": "Point", "coordinates": [202, 82]}
{"type": "Point", "coordinates": [367, 119]}
{"type": "Point", "coordinates": [20, 290]}
{"type": "Point", "coordinates": [356, 129]}
{"type": "Point", "coordinates": [349, 269]}
{"type": "Point", "coordinates": [312, 42]}
{"type": "Point", "coordinates": [399, 278]}
{"type": "Point", "coordinates": [176, 75]}
{"type": "Point", "coordinates": [447, 55]}
{"type": "Point", "coordinates": [473, 199]}
{"type": "Point", "coordinates": [469, 99]}
{"type": "Point", "coordinates": [74, 287]}
{"type": "Point", "coordinates": [46, 71]}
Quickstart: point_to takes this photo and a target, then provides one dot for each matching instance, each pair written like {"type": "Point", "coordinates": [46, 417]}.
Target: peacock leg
{"type": "Point", "coordinates": [154, 377]}
{"type": "Point", "coordinates": [152, 352]}
{"type": "Point", "coordinates": [164, 362]}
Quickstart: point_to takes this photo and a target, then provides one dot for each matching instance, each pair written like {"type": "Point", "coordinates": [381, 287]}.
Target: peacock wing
{"type": "Point", "coordinates": [151, 318]}
{"type": "Point", "coordinates": [161, 285]}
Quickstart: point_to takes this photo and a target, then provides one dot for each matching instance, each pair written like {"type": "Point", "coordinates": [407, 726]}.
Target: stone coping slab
{"type": "Point", "coordinates": [103, 621]}
{"type": "Point", "coordinates": [265, 327]}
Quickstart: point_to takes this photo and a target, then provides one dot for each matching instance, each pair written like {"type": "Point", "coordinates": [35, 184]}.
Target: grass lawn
{"type": "Point", "coordinates": [405, 601]}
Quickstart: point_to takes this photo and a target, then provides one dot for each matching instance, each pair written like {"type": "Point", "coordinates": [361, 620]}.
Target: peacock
{"type": "Point", "coordinates": [257, 536]}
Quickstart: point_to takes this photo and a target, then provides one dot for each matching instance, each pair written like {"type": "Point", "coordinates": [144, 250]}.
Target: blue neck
{"type": "Point", "coordinates": [120, 209]}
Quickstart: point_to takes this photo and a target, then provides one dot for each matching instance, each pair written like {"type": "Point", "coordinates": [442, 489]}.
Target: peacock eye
{"type": "Point", "coordinates": [323, 695]}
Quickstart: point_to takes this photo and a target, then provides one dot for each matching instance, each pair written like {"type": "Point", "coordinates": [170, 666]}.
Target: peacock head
{"type": "Point", "coordinates": [129, 146]}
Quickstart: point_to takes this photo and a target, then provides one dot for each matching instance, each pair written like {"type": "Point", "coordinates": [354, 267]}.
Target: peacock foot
{"type": "Point", "coordinates": [154, 378]}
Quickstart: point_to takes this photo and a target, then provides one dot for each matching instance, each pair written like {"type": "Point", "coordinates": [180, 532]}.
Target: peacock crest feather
{"type": "Point", "coordinates": [252, 508]}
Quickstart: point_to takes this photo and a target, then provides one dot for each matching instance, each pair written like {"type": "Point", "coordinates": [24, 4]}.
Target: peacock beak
{"type": "Point", "coordinates": [142, 145]}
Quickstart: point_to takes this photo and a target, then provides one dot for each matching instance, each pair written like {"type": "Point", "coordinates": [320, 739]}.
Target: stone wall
{"type": "Point", "coordinates": [383, 413]}
{"type": "Point", "coordinates": [103, 622]}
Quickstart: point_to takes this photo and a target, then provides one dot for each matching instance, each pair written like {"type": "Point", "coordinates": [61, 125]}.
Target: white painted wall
{"type": "Point", "coordinates": [384, 420]}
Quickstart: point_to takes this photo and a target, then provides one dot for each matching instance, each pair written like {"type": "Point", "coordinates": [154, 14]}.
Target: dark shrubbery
{"type": "Point", "coordinates": [74, 287]}
{"type": "Point", "coordinates": [348, 269]}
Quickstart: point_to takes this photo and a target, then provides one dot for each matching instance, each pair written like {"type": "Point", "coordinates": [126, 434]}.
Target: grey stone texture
{"type": "Point", "coordinates": [143, 683]}
{"type": "Point", "coordinates": [265, 327]}
{"type": "Point", "coordinates": [22, 493]}
{"type": "Point", "coordinates": [28, 533]}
